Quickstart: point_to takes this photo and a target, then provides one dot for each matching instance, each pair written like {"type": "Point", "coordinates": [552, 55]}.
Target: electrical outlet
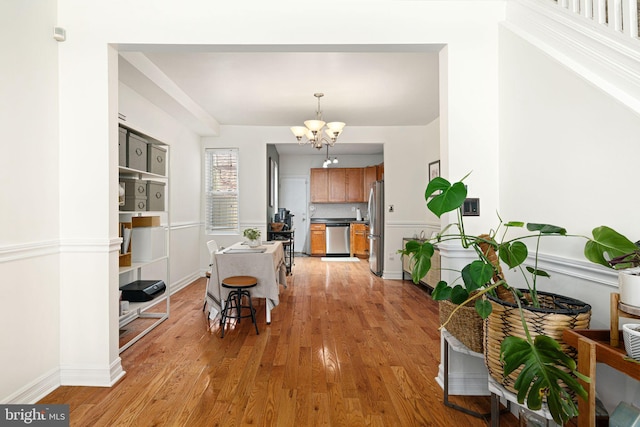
{"type": "Point", "coordinates": [353, 208]}
{"type": "Point", "coordinates": [390, 208]}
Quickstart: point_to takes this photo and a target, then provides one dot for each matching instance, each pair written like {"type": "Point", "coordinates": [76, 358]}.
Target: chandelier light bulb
{"type": "Point", "coordinates": [335, 127]}
{"type": "Point", "coordinates": [314, 125]}
{"type": "Point", "coordinates": [299, 131]}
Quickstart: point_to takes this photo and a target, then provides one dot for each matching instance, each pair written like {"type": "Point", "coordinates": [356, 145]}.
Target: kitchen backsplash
{"type": "Point", "coordinates": [337, 210]}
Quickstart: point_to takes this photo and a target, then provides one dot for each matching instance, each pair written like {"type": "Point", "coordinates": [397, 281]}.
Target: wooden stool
{"type": "Point", "coordinates": [239, 286]}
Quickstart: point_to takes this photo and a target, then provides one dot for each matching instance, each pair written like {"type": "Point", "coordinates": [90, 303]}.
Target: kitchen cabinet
{"type": "Point", "coordinates": [370, 176]}
{"type": "Point", "coordinates": [354, 187]}
{"type": "Point", "coordinates": [380, 172]}
{"type": "Point", "coordinates": [431, 279]}
{"type": "Point", "coordinates": [359, 241]}
{"type": "Point", "coordinates": [319, 184]}
{"type": "Point", "coordinates": [318, 239]}
{"type": "Point", "coordinates": [339, 185]}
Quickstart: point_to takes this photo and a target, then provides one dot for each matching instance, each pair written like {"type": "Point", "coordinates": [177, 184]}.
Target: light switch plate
{"type": "Point", "coordinates": [471, 207]}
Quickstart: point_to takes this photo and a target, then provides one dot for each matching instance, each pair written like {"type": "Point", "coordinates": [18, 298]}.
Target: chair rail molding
{"type": "Point", "coordinates": [579, 269]}
{"type": "Point", "coordinates": [29, 250]}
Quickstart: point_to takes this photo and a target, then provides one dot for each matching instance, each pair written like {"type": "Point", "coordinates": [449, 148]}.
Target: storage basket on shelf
{"type": "Point", "coordinates": [631, 335]}
{"type": "Point", "coordinates": [556, 314]}
{"type": "Point", "coordinates": [277, 226]}
{"type": "Point", "coordinates": [465, 325]}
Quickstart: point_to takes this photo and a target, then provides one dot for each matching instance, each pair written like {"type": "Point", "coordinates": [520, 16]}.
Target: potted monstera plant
{"type": "Point", "coordinates": [611, 249]}
{"type": "Point", "coordinates": [538, 368]}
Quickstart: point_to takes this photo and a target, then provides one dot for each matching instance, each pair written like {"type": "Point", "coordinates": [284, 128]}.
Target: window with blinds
{"type": "Point", "coordinates": [221, 186]}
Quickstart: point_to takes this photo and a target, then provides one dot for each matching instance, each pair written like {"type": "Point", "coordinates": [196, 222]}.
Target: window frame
{"type": "Point", "coordinates": [210, 196]}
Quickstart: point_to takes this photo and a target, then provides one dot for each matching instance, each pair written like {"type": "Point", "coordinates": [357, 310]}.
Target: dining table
{"type": "Point", "coordinates": [264, 262]}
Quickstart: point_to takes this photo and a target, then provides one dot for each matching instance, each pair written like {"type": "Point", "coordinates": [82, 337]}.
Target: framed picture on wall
{"type": "Point", "coordinates": [434, 169]}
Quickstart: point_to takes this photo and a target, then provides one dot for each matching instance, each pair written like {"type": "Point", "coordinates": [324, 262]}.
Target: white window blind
{"type": "Point", "coordinates": [221, 175]}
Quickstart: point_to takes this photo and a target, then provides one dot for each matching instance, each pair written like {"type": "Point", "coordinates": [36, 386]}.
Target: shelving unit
{"type": "Point", "coordinates": [601, 346]}
{"type": "Point", "coordinates": [287, 238]}
{"type": "Point", "coordinates": [150, 261]}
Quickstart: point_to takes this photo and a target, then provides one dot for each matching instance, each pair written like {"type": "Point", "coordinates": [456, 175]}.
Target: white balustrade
{"type": "Point", "coordinates": [616, 15]}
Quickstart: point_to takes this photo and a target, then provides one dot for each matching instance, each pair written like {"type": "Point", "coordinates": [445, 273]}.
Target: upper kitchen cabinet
{"type": "Point", "coordinates": [370, 176]}
{"type": "Point", "coordinates": [354, 185]}
{"type": "Point", "coordinates": [319, 185]}
{"type": "Point", "coordinates": [337, 187]}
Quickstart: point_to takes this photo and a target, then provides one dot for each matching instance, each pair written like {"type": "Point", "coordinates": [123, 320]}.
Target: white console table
{"type": "Point", "coordinates": [451, 343]}
{"type": "Point", "coordinates": [499, 392]}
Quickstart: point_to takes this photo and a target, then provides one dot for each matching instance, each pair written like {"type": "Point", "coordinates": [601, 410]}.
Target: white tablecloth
{"type": "Point", "coordinates": [266, 263]}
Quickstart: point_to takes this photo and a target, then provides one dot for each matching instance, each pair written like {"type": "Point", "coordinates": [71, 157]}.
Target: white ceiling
{"type": "Point", "coordinates": [204, 87]}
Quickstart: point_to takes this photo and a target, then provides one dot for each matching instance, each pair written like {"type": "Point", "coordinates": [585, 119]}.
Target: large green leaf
{"type": "Point", "coordinates": [607, 241]}
{"type": "Point", "coordinates": [483, 307]}
{"type": "Point", "coordinates": [422, 260]}
{"type": "Point", "coordinates": [450, 198]}
{"type": "Point", "coordinates": [435, 185]}
{"type": "Point", "coordinates": [546, 229]}
{"type": "Point", "coordinates": [459, 294]}
{"type": "Point", "coordinates": [513, 254]}
{"type": "Point", "coordinates": [541, 377]}
{"type": "Point", "coordinates": [411, 247]}
{"type": "Point", "coordinates": [441, 292]}
{"type": "Point", "coordinates": [479, 274]}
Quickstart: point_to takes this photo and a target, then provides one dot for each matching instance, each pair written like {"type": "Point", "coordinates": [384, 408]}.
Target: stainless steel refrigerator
{"type": "Point", "coordinates": [376, 227]}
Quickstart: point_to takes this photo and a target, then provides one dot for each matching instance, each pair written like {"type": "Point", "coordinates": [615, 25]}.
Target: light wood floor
{"type": "Point", "coordinates": [345, 348]}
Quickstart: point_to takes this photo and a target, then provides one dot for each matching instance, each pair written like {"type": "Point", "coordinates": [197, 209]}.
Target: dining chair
{"type": "Point", "coordinates": [213, 248]}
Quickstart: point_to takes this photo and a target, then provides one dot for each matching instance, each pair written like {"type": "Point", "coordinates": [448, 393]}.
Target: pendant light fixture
{"type": "Point", "coordinates": [327, 161]}
{"type": "Point", "coordinates": [312, 131]}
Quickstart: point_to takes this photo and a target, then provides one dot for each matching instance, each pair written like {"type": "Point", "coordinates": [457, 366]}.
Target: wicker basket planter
{"type": "Point", "coordinates": [465, 325]}
{"type": "Point", "coordinates": [556, 314]}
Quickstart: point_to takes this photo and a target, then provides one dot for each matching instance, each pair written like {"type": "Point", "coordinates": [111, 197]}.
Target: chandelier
{"type": "Point", "coordinates": [312, 130]}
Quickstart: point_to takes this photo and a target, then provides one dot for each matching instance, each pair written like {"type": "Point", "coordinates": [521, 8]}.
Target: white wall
{"type": "Point", "coordinates": [184, 192]}
{"type": "Point", "coordinates": [80, 130]}
{"type": "Point", "coordinates": [29, 218]}
{"type": "Point", "coordinates": [300, 164]}
{"type": "Point", "coordinates": [406, 176]}
{"type": "Point", "coordinates": [568, 156]}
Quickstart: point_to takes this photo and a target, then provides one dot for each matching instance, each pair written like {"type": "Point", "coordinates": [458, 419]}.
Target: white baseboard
{"type": "Point", "coordinates": [35, 390]}
{"type": "Point", "coordinates": [184, 282]}
{"type": "Point", "coordinates": [91, 375]}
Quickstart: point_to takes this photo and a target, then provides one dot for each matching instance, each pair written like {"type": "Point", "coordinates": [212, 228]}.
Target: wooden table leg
{"type": "Point", "coordinates": [587, 366]}
{"type": "Point", "coordinates": [614, 335]}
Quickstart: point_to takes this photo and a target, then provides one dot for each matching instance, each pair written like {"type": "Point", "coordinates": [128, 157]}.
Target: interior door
{"type": "Point", "coordinates": [293, 196]}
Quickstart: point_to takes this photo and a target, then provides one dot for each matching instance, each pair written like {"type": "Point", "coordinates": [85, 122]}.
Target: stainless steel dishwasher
{"type": "Point", "coordinates": [337, 238]}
